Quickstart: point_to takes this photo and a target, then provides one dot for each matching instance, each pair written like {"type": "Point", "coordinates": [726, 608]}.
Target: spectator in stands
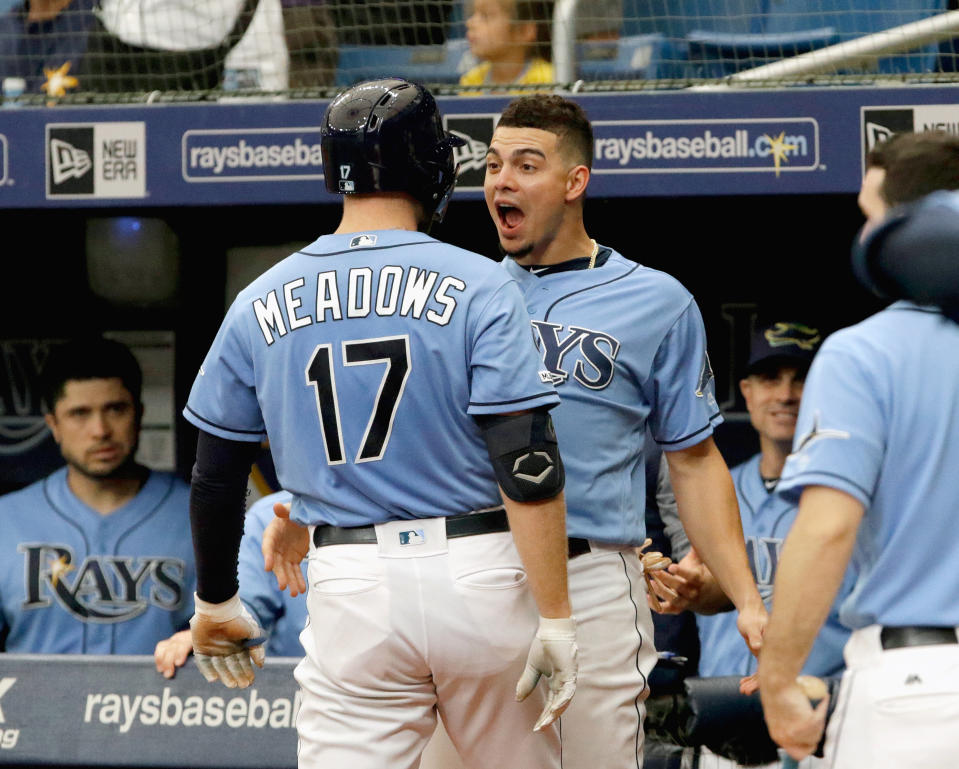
{"type": "Point", "coordinates": [170, 46]}
{"type": "Point", "coordinates": [511, 39]}
{"type": "Point", "coordinates": [43, 42]}
{"type": "Point", "coordinates": [61, 46]}
{"type": "Point", "coordinates": [95, 558]}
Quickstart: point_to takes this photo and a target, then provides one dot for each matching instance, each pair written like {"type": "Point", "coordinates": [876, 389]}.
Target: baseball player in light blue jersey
{"type": "Point", "coordinates": [875, 441]}
{"type": "Point", "coordinates": [780, 354]}
{"type": "Point", "coordinates": [625, 347]}
{"type": "Point", "coordinates": [94, 557]}
{"type": "Point", "coordinates": [396, 380]}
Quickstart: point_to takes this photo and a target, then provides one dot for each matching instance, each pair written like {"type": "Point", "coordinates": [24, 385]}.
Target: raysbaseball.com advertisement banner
{"type": "Point", "coordinates": [118, 711]}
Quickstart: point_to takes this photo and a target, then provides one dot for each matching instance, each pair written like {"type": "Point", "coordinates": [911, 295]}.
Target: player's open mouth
{"type": "Point", "coordinates": [510, 217]}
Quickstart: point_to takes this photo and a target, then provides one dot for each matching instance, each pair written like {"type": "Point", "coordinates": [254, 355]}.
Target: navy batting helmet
{"type": "Point", "coordinates": [387, 136]}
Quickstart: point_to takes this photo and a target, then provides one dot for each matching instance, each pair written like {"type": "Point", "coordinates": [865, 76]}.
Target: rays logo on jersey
{"type": "Point", "coordinates": [103, 588]}
{"type": "Point", "coordinates": [785, 334]}
{"type": "Point", "coordinates": [595, 354]}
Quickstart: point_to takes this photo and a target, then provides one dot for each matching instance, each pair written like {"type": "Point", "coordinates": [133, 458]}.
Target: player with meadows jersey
{"type": "Point", "coordinates": [625, 347]}
{"type": "Point", "coordinates": [396, 380]}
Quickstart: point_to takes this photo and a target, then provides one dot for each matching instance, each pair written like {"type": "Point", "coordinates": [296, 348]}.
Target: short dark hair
{"type": "Point", "coordinates": [559, 116]}
{"type": "Point", "coordinates": [90, 358]}
{"type": "Point", "coordinates": [540, 14]}
{"type": "Point", "coordinates": [916, 164]}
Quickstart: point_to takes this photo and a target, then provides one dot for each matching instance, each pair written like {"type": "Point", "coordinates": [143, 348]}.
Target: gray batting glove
{"type": "Point", "coordinates": [227, 642]}
{"type": "Point", "coordinates": [553, 654]}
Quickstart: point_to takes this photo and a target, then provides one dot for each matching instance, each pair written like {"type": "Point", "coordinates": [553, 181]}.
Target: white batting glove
{"type": "Point", "coordinates": [553, 654]}
{"type": "Point", "coordinates": [226, 640]}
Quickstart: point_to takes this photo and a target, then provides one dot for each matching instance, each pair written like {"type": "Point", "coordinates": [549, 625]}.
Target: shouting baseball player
{"type": "Point", "coordinates": [873, 469]}
{"type": "Point", "coordinates": [396, 380]}
{"type": "Point", "coordinates": [625, 346]}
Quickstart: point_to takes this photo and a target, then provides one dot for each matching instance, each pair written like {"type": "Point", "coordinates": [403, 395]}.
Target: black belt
{"type": "Point", "coordinates": [916, 635]}
{"type": "Point", "coordinates": [487, 522]}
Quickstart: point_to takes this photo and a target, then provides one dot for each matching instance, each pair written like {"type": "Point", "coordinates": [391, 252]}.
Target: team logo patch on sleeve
{"type": "Point", "coordinates": [705, 377]}
{"type": "Point", "coordinates": [817, 433]}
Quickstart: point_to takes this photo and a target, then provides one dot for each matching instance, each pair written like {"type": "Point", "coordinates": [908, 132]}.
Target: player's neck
{"type": "Point", "coordinates": [773, 457]}
{"type": "Point", "coordinates": [380, 211]}
{"type": "Point", "coordinates": [106, 495]}
{"type": "Point", "coordinates": [569, 242]}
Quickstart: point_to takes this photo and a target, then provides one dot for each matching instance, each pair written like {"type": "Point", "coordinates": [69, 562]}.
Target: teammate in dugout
{"type": "Point", "coordinates": [625, 346]}
{"type": "Point", "coordinates": [772, 385]}
{"type": "Point", "coordinates": [875, 441]}
{"type": "Point", "coordinates": [396, 381]}
{"type": "Point", "coordinates": [93, 558]}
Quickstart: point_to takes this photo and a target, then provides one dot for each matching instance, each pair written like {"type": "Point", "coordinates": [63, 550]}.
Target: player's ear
{"type": "Point", "coordinates": [746, 388]}
{"type": "Point", "coordinates": [576, 181]}
{"type": "Point", "coordinates": [51, 421]}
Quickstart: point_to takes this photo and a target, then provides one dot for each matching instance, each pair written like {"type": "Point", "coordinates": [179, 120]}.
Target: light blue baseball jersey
{"type": "Point", "coordinates": [280, 615]}
{"type": "Point", "coordinates": [767, 518]}
{"type": "Point", "coordinates": [73, 581]}
{"type": "Point", "coordinates": [364, 357]}
{"type": "Point", "coordinates": [625, 346]}
{"type": "Point", "coordinates": [879, 420]}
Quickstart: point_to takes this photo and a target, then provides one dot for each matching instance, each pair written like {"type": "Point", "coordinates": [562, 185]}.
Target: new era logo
{"type": "Point", "coordinates": [412, 537]}
{"type": "Point", "coordinates": [70, 161]}
{"type": "Point", "coordinates": [67, 161]}
{"type": "Point", "coordinates": [96, 160]}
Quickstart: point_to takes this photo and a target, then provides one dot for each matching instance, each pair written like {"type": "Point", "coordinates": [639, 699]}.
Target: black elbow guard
{"type": "Point", "coordinates": [525, 457]}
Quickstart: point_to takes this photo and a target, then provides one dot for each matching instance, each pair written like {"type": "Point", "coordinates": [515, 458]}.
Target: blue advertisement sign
{"type": "Point", "coordinates": [730, 142]}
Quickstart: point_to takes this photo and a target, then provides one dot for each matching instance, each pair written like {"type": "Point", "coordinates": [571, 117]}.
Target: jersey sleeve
{"type": "Point", "coordinates": [839, 432]}
{"type": "Point", "coordinates": [683, 391]}
{"type": "Point", "coordinates": [223, 399]}
{"type": "Point", "coordinates": [505, 369]}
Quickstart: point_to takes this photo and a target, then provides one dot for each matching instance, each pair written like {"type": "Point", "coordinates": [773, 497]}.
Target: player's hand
{"type": "Point", "coordinates": [553, 654]}
{"type": "Point", "coordinates": [171, 653]}
{"type": "Point", "coordinates": [285, 545]}
{"type": "Point", "coordinates": [227, 642]}
{"type": "Point", "coordinates": [678, 587]}
{"type": "Point", "coordinates": [794, 724]}
{"type": "Point", "coordinates": [751, 622]}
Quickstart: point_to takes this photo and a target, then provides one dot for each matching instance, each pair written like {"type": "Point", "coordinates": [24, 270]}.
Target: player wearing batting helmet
{"type": "Point", "coordinates": [408, 416]}
{"type": "Point", "coordinates": [871, 468]}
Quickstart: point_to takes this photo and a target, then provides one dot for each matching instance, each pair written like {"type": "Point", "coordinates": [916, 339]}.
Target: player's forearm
{"type": "Point", "coordinates": [539, 530]}
{"type": "Point", "coordinates": [811, 569]}
{"type": "Point", "coordinates": [711, 598]}
{"type": "Point", "coordinates": [710, 514]}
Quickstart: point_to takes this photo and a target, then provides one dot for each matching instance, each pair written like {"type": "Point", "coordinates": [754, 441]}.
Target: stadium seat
{"type": "Point", "coordinates": [675, 19]}
{"type": "Point", "coordinates": [423, 63]}
{"type": "Point", "coordinates": [626, 58]}
{"type": "Point", "coordinates": [717, 54]}
{"type": "Point", "coordinates": [852, 19]}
